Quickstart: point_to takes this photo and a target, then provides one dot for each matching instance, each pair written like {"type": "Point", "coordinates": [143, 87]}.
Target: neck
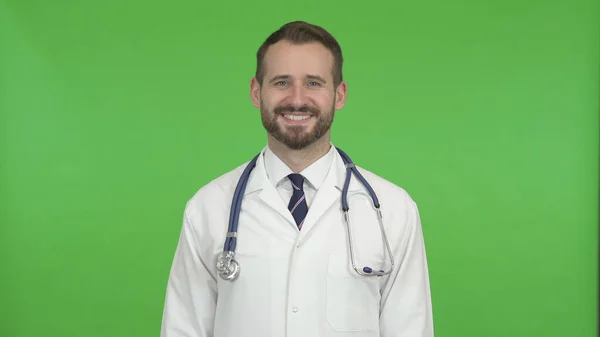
{"type": "Point", "coordinates": [298, 160]}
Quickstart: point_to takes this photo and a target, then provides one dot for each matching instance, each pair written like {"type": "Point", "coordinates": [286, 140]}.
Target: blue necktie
{"type": "Point", "coordinates": [298, 206]}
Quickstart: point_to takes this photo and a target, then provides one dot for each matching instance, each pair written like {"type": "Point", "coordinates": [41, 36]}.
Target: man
{"type": "Point", "coordinates": [296, 275]}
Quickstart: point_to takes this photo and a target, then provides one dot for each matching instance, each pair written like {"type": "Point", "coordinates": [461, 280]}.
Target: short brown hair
{"type": "Point", "coordinates": [299, 32]}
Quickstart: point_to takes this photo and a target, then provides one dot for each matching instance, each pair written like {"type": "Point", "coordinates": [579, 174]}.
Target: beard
{"type": "Point", "coordinates": [296, 137]}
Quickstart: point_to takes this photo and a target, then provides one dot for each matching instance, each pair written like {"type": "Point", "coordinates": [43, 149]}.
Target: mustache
{"type": "Point", "coordinates": [291, 108]}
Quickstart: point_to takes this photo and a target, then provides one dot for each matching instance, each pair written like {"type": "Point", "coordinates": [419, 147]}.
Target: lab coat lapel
{"type": "Point", "coordinates": [329, 195]}
{"type": "Point", "coordinates": [258, 180]}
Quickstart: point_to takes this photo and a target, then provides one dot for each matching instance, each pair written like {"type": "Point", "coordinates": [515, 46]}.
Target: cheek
{"type": "Point", "coordinates": [317, 98]}
{"type": "Point", "coordinates": [266, 103]}
{"type": "Point", "coordinates": [272, 101]}
{"type": "Point", "coordinates": [325, 101]}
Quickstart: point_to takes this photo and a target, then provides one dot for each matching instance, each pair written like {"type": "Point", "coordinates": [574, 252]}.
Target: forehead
{"type": "Point", "coordinates": [298, 60]}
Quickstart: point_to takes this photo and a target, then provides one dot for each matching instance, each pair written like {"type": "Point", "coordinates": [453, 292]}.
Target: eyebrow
{"type": "Point", "coordinates": [286, 77]}
{"type": "Point", "coordinates": [316, 77]}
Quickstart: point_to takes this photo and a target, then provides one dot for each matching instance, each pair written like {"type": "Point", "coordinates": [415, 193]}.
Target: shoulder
{"type": "Point", "coordinates": [401, 212]}
{"type": "Point", "coordinates": [390, 195]}
{"type": "Point", "coordinates": [216, 193]}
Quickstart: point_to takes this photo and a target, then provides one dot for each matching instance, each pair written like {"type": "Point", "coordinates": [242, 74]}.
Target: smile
{"type": "Point", "coordinates": [297, 117]}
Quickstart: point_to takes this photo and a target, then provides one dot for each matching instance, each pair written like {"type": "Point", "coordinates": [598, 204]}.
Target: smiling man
{"type": "Point", "coordinates": [311, 255]}
{"type": "Point", "coordinates": [297, 106]}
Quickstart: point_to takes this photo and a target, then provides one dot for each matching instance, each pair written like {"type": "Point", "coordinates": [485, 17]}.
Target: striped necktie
{"type": "Point", "coordinates": [298, 206]}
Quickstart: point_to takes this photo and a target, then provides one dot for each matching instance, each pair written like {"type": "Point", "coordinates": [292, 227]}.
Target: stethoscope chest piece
{"type": "Point", "coordinates": [227, 267]}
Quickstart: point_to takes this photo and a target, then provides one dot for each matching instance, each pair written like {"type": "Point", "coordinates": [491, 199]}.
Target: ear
{"type": "Point", "coordinates": [255, 92]}
{"type": "Point", "coordinates": [340, 95]}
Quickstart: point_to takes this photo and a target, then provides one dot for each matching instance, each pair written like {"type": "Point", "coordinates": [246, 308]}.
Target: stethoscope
{"type": "Point", "coordinates": [229, 269]}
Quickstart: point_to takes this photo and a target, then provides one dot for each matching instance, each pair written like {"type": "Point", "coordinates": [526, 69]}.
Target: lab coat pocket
{"type": "Point", "coordinates": [352, 300]}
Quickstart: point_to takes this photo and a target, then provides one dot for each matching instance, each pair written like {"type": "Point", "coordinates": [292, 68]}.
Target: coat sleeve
{"type": "Point", "coordinates": [191, 295]}
{"type": "Point", "coordinates": [406, 309]}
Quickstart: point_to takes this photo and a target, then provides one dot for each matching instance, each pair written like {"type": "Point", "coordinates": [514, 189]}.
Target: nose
{"type": "Point", "coordinates": [298, 96]}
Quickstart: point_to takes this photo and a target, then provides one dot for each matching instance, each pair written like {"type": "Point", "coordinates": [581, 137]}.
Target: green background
{"type": "Point", "coordinates": [113, 113]}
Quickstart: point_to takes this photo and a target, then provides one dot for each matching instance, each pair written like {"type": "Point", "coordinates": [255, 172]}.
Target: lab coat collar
{"type": "Point", "coordinates": [327, 195]}
{"type": "Point", "coordinates": [336, 169]}
{"type": "Point", "coordinates": [277, 171]}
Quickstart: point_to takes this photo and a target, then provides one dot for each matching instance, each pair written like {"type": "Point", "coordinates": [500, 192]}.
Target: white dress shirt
{"type": "Point", "coordinates": [314, 174]}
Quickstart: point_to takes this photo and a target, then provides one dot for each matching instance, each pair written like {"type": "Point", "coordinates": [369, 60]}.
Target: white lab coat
{"type": "Point", "coordinates": [299, 283]}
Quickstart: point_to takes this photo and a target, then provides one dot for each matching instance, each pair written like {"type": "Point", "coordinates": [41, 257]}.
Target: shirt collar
{"type": "Point", "coordinates": [314, 174]}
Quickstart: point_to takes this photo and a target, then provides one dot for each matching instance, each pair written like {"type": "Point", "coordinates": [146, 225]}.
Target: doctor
{"type": "Point", "coordinates": [298, 276]}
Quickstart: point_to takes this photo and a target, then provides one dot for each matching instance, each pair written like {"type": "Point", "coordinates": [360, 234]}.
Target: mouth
{"type": "Point", "coordinates": [296, 119]}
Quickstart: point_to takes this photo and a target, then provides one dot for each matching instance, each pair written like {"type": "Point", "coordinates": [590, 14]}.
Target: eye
{"type": "Point", "coordinates": [314, 83]}
{"type": "Point", "coordinates": [281, 83]}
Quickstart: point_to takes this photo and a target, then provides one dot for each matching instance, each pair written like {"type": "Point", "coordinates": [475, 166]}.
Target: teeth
{"type": "Point", "coordinates": [296, 118]}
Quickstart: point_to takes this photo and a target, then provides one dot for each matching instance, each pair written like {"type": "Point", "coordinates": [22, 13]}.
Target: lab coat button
{"type": "Point", "coordinates": [295, 309]}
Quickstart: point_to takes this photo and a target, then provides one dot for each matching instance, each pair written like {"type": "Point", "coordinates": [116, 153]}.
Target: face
{"type": "Point", "coordinates": [297, 98]}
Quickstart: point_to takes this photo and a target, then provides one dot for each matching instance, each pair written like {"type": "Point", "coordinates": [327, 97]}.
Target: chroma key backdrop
{"type": "Point", "coordinates": [114, 113]}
